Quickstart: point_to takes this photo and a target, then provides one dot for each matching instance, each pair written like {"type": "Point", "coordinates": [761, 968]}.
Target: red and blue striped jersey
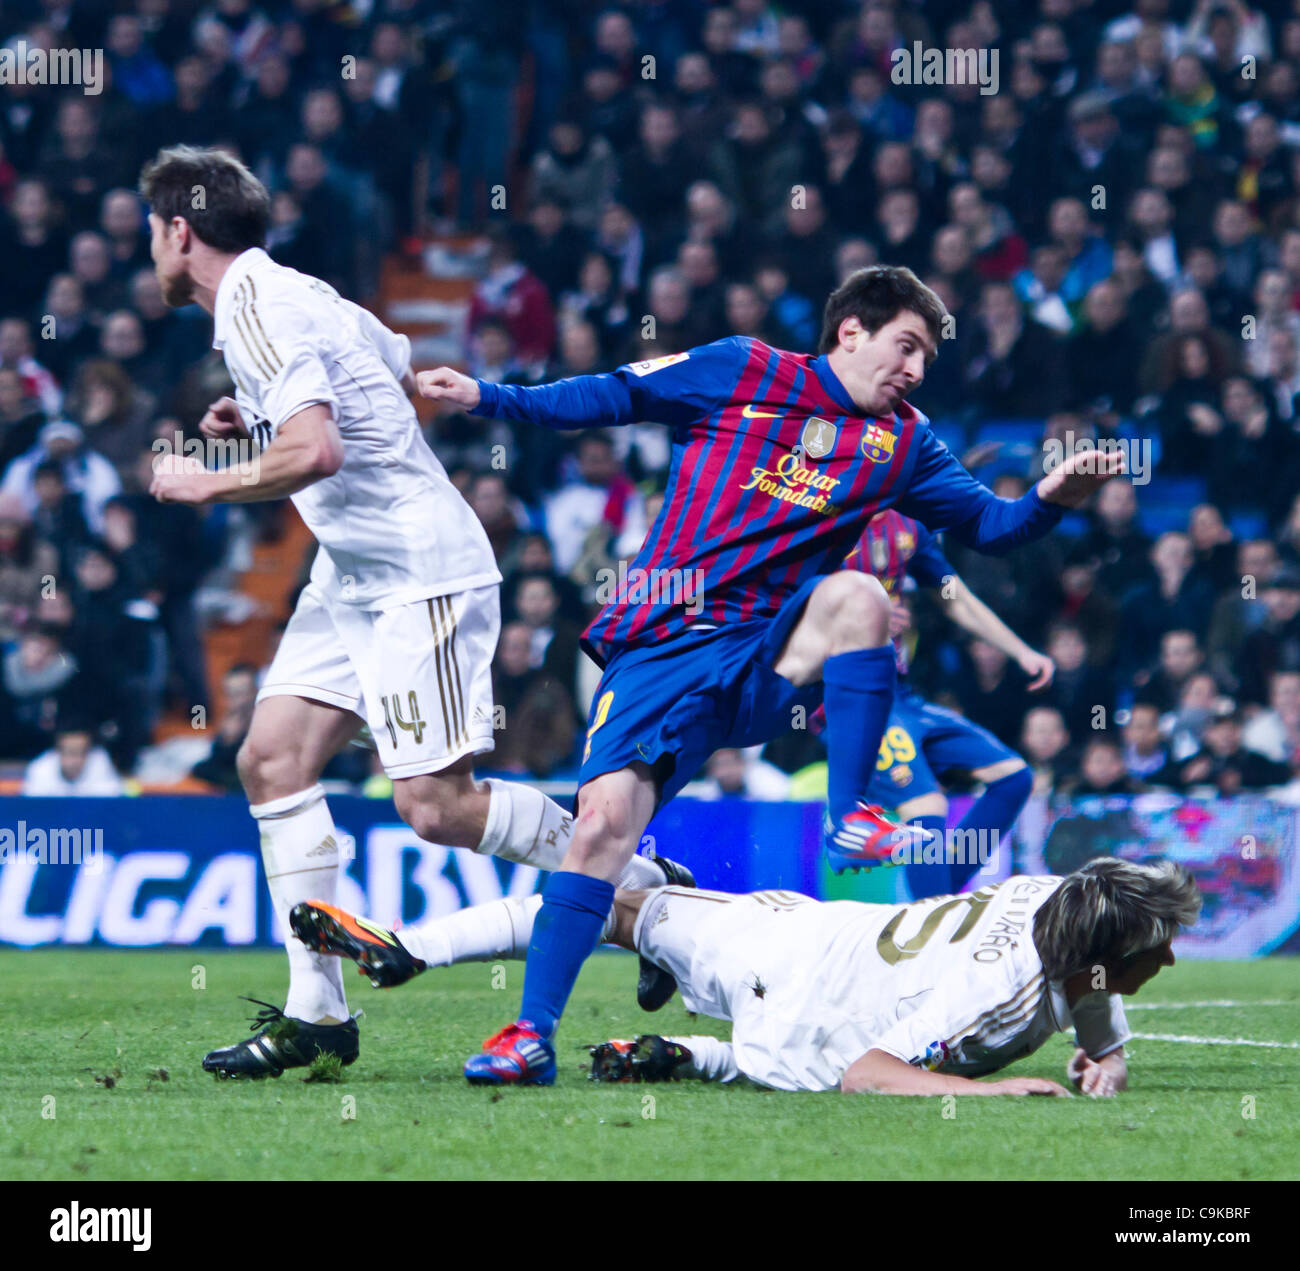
{"type": "Point", "coordinates": [894, 547]}
{"type": "Point", "coordinates": [775, 474]}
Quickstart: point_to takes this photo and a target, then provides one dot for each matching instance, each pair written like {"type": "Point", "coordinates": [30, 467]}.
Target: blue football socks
{"type": "Point", "coordinates": [567, 927]}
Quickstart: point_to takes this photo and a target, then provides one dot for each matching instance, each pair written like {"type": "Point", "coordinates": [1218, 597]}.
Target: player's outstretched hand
{"type": "Point", "coordinates": [1070, 483]}
{"type": "Point", "coordinates": [446, 385]}
{"type": "Point", "coordinates": [1040, 669]}
{"type": "Point", "coordinates": [1028, 1085]}
{"type": "Point", "coordinates": [223, 420]}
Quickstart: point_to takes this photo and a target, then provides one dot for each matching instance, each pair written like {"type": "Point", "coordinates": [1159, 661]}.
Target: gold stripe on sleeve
{"type": "Point", "coordinates": [1012, 1007]}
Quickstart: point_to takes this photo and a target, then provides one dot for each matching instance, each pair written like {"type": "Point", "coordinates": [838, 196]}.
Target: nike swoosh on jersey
{"type": "Point", "coordinates": [750, 413]}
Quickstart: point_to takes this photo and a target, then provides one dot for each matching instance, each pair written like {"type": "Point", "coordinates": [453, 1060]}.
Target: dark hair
{"type": "Point", "coordinates": [72, 723]}
{"type": "Point", "coordinates": [532, 576]}
{"type": "Point", "coordinates": [875, 296]}
{"type": "Point", "coordinates": [226, 206]}
{"type": "Point", "coordinates": [1106, 743]}
{"type": "Point", "coordinates": [44, 630]}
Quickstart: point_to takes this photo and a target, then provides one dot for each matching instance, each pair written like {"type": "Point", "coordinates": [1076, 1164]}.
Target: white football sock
{"type": "Point", "coordinates": [483, 933]}
{"type": "Point", "coordinates": [526, 827]}
{"type": "Point", "coordinates": [711, 1059]}
{"type": "Point", "coordinates": [641, 874]}
{"type": "Point", "coordinates": [301, 853]}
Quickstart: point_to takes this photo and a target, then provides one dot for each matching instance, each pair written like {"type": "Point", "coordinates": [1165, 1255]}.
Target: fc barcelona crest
{"type": "Point", "coordinates": [877, 443]}
{"type": "Point", "coordinates": [818, 438]}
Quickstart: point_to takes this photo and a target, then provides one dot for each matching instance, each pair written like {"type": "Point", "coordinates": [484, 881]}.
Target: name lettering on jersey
{"type": "Point", "coordinates": [1010, 928]}
{"type": "Point", "coordinates": [878, 443]}
{"type": "Point", "coordinates": [791, 482]}
{"type": "Point", "coordinates": [818, 438]}
{"type": "Point", "coordinates": [653, 364]}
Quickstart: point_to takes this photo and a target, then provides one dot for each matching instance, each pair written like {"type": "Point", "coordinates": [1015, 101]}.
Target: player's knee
{"type": "Point", "coordinates": [855, 609]}
{"type": "Point", "coordinates": [431, 815]}
{"type": "Point", "coordinates": [604, 833]}
{"type": "Point", "coordinates": [264, 772]}
{"type": "Point", "coordinates": [933, 804]}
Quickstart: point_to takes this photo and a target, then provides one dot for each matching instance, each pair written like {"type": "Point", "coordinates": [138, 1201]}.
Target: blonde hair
{"type": "Point", "coordinates": [1109, 910]}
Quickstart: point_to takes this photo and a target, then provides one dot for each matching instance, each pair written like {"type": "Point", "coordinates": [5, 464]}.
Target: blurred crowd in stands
{"type": "Point", "coordinates": [1116, 231]}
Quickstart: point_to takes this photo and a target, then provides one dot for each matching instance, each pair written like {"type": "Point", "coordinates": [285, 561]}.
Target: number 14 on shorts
{"type": "Point", "coordinates": [393, 715]}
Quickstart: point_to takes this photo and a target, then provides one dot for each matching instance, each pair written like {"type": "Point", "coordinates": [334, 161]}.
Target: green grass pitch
{"type": "Point", "coordinates": [115, 1038]}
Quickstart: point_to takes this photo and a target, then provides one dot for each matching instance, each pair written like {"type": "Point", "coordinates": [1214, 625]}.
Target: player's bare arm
{"type": "Point", "coordinates": [1100, 1078]}
{"type": "Point", "coordinates": [447, 385]}
{"type": "Point", "coordinates": [307, 449]}
{"type": "Point", "coordinates": [878, 1072]}
{"type": "Point", "coordinates": [969, 612]}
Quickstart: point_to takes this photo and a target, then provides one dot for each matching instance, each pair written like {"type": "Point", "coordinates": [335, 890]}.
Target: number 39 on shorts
{"type": "Point", "coordinates": [896, 746]}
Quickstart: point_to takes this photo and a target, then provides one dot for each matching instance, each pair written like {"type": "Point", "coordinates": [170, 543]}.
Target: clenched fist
{"type": "Point", "coordinates": [446, 385]}
{"type": "Point", "coordinates": [223, 420]}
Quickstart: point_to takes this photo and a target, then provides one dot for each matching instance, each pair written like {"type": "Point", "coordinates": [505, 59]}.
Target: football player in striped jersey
{"type": "Point", "coordinates": [779, 461]}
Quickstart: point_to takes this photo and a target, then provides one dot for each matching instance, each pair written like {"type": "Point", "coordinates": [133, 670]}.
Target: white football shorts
{"type": "Point", "coordinates": [419, 674]}
{"type": "Point", "coordinates": [738, 958]}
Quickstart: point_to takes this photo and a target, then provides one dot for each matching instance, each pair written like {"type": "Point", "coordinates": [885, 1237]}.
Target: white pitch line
{"type": "Point", "coordinates": [1213, 1041]}
{"type": "Point", "coordinates": [1218, 1002]}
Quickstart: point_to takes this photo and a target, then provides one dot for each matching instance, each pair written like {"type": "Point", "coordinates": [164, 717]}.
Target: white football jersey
{"type": "Point", "coordinates": [392, 527]}
{"type": "Point", "coordinates": [953, 984]}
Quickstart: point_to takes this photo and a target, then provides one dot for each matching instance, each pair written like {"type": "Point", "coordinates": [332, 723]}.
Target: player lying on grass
{"type": "Point", "coordinates": [912, 999]}
{"type": "Point", "coordinates": [779, 461]}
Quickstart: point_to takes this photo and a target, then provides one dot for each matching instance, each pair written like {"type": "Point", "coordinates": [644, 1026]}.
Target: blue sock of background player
{"type": "Point", "coordinates": [935, 879]}
{"type": "Point", "coordinates": [995, 811]}
{"type": "Point", "coordinates": [858, 695]}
